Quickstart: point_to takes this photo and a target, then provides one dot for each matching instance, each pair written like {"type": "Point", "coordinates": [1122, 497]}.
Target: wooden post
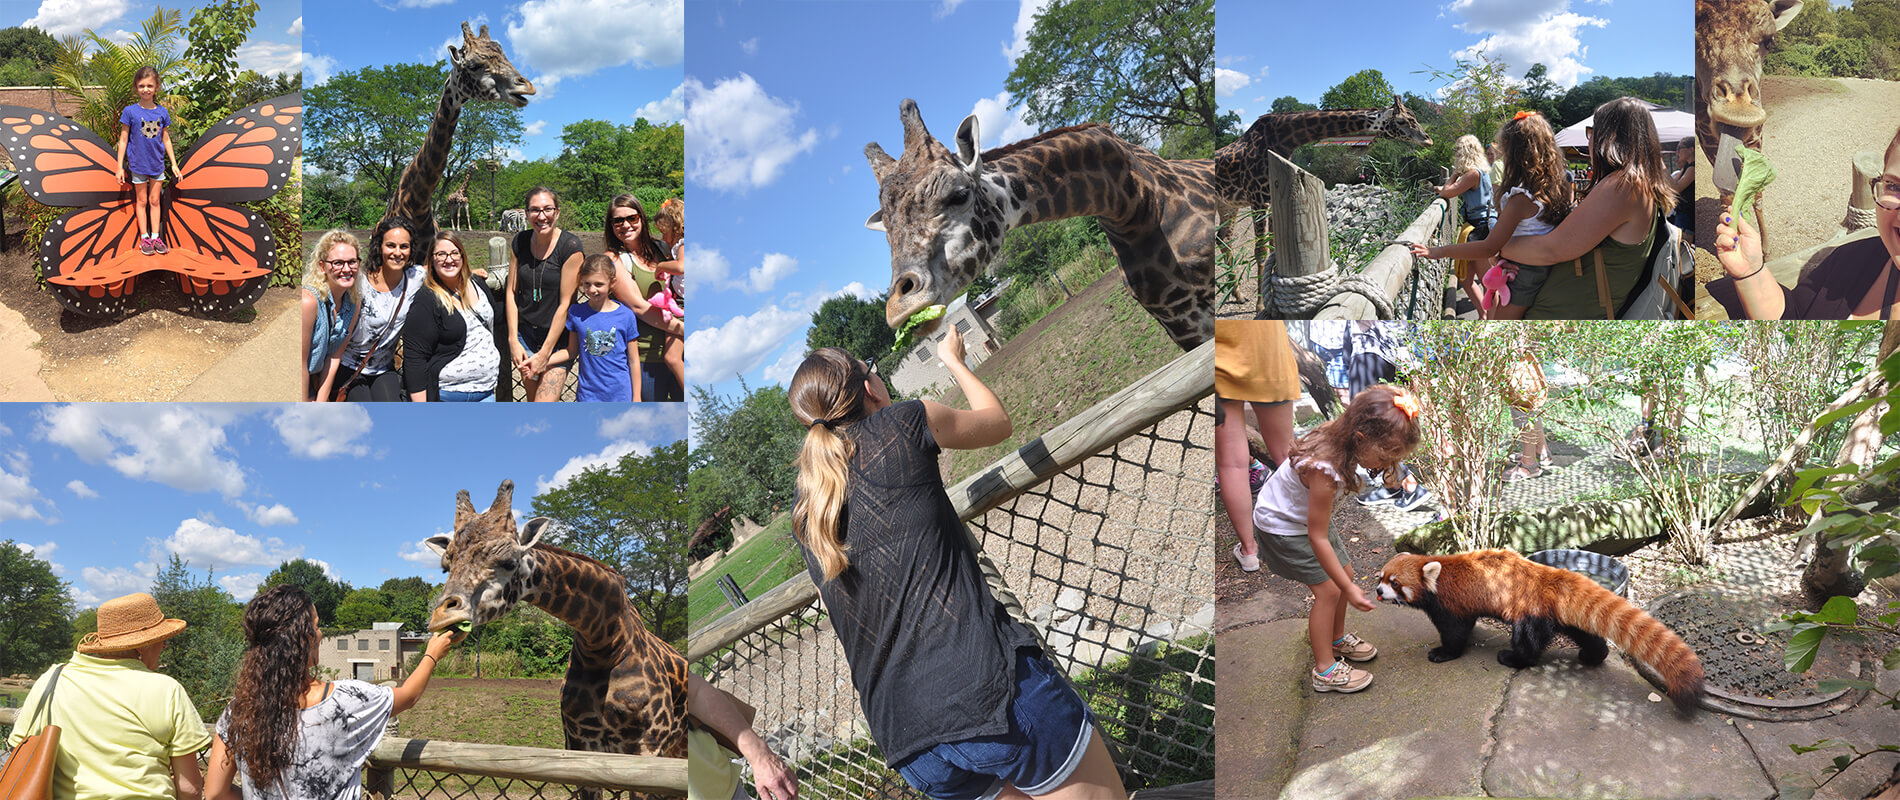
{"type": "Point", "coordinates": [379, 782]}
{"type": "Point", "coordinates": [1300, 243]}
{"type": "Point", "coordinates": [1860, 196]}
{"type": "Point", "coordinates": [1389, 268]}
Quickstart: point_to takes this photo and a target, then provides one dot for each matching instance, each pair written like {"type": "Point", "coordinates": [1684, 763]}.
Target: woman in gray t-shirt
{"type": "Point", "coordinates": [287, 735]}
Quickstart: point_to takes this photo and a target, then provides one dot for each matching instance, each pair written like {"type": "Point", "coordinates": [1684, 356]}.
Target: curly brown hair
{"type": "Point", "coordinates": [1375, 425]}
{"type": "Point", "coordinates": [280, 631]}
{"type": "Point", "coordinates": [1532, 161]}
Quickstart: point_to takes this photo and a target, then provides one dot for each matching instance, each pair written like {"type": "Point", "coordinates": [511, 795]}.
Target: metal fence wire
{"type": "Point", "coordinates": [1112, 562]}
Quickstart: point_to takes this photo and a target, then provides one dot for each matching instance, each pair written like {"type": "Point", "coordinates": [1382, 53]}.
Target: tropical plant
{"type": "Point", "coordinates": [97, 71]}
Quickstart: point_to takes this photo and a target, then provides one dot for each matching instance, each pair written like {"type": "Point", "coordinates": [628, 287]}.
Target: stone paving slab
{"type": "Point", "coordinates": [1258, 708]}
{"type": "Point", "coordinates": [1865, 725]}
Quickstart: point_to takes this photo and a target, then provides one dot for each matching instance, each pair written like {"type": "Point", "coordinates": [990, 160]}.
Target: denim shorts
{"type": "Point", "coordinates": [137, 178]}
{"type": "Point", "coordinates": [1049, 731]}
{"type": "Point", "coordinates": [467, 397]}
{"type": "Point", "coordinates": [535, 347]}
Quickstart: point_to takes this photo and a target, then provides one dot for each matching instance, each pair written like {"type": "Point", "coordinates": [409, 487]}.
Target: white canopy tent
{"type": "Point", "coordinates": [1671, 127]}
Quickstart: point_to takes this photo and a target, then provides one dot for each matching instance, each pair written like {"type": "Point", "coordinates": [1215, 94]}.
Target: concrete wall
{"type": "Point", "coordinates": [375, 654]}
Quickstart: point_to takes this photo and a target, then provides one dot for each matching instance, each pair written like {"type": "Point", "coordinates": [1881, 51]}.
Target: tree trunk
{"type": "Point", "coordinates": [1832, 572]}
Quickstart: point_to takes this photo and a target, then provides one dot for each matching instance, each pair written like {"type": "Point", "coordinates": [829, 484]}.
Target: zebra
{"type": "Point", "coordinates": [514, 219]}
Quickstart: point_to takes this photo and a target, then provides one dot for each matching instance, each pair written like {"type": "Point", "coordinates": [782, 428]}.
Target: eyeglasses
{"type": "Point", "coordinates": [625, 220]}
{"type": "Point", "coordinates": [542, 212]}
{"type": "Point", "coordinates": [349, 262]}
{"type": "Point", "coordinates": [1887, 193]}
{"type": "Point", "coordinates": [447, 254]}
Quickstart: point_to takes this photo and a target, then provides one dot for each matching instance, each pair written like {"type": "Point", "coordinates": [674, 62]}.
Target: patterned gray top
{"type": "Point", "coordinates": [338, 735]}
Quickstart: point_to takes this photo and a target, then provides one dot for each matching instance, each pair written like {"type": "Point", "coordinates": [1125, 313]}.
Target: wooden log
{"type": "Point", "coordinates": [1162, 393]}
{"type": "Point", "coordinates": [1860, 196]}
{"type": "Point", "coordinates": [1199, 790]}
{"type": "Point", "coordinates": [1300, 243]}
{"type": "Point", "coordinates": [568, 767]}
{"type": "Point", "coordinates": [1388, 269]}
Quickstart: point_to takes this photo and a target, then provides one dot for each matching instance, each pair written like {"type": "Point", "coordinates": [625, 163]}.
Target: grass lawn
{"type": "Point", "coordinates": [763, 562]}
{"type": "Point", "coordinates": [524, 713]}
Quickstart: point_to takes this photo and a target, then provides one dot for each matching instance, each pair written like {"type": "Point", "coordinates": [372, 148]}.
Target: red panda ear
{"type": "Point", "coordinates": [1430, 571]}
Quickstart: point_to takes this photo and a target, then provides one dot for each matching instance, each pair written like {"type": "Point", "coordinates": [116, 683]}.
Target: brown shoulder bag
{"type": "Point", "coordinates": [28, 774]}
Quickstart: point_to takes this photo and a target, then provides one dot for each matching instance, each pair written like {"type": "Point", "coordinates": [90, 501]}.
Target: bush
{"type": "Point", "coordinates": [1844, 58]}
{"type": "Point", "coordinates": [1796, 60]}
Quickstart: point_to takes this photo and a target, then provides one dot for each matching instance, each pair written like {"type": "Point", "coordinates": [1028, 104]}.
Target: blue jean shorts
{"type": "Point", "coordinates": [137, 178]}
{"type": "Point", "coordinates": [1049, 731]}
{"type": "Point", "coordinates": [535, 347]}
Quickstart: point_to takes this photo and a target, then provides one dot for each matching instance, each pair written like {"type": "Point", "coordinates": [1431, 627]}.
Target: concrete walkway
{"type": "Point", "coordinates": [260, 370]}
{"type": "Point", "coordinates": [1474, 728]}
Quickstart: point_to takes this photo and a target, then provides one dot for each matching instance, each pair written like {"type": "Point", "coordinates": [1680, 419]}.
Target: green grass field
{"type": "Point", "coordinates": [524, 713]}
{"type": "Point", "coordinates": [764, 561]}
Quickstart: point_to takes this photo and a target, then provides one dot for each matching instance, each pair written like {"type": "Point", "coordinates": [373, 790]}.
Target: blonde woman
{"type": "Point", "coordinates": [448, 340]}
{"type": "Point", "coordinates": [958, 696]}
{"type": "Point", "coordinates": [1471, 184]}
{"type": "Point", "coordinates": [331, 298]}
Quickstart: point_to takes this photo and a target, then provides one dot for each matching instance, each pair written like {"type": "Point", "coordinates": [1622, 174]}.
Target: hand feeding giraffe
{"type": "Point", "coordinates": [1731, 41]}
{"type": "Point", "coordinates": [945, 214]}
{"type": "Point", "coordinates": [625, 690]}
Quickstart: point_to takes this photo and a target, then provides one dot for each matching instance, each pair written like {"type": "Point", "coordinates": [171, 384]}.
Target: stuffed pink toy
{"type": "Point", "coordinates": [663, 300]}
{"type": "Point", "coordinates": [1497, 284]}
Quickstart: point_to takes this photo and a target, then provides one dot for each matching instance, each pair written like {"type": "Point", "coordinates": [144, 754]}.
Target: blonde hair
{"type": "Point", "coordinates": [317, 279]}
{"type": "Point", "coordinates": [672, 217]}
{"type": "Point", "coordinates": [1467, 156]}
{"type": "Point", "coordinates": [827, 395]}
{"type": "Point", "coordinates": [451, 300]}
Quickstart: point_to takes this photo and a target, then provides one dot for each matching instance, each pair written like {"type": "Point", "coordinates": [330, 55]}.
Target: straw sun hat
{"type": "Point", "coordinates": [129, 623]}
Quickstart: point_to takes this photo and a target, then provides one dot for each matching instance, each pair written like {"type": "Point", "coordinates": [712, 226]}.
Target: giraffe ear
{"type": "Point", "coordinates": [504, 498]}
{"type": "Point", "coordinates": [881, 162]}
{"type": "Point", "coordinates": [875, 221]}
{"type": "Point", "coordinates": [969, 146]}
{"type": "Point", "coordinates": [1785, 11]}
{"type": "Point", "coordinates": [437, 543]}
{"type": "Point", "coordinates": [464, 509]}
{"type": "Point", "coordinates": [530, 533]}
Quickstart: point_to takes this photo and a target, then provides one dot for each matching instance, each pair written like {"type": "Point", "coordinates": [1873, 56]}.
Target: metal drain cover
{"type": "Point", "coordinates": [1743, 662]}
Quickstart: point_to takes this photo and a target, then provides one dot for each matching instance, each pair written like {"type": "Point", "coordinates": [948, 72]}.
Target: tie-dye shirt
{"type": "Point", "coordinates": [338, 735]}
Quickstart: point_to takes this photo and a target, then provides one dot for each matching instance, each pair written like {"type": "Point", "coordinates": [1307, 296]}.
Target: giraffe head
{"type": "Point", "coordinates": [1731, 39]}
{"type": "Point", "coordinates": [485, 71]}
{"type": "Point", "coordinates": [490, 562]}
{"type": "Point", "coordinates": [1398, 123]}
{"type": "Point", "coordinates": [942, 221]}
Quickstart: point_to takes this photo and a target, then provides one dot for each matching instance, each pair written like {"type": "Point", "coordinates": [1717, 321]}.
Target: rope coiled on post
{"type": "Point", "coordinates": [1859, 218]}
{"type": "Point", "coordinates": [1303, 296]}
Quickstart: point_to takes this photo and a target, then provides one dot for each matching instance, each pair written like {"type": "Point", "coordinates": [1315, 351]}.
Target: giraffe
{"type": "Point", "coordinates": [944, 215]}
{"type": "Point", "coordinates": [1731, 39]}
{"type": "Point", "coordinates": [478, 71]}
{"type": "Point", "coordinates": [1240, 168]}
{"type": "Point", "coordinates": [457, 203]}
{"type": "Point", "coordinates": [625, 690]}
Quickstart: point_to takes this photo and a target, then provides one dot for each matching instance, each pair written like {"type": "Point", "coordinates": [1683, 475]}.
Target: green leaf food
{"type": "Point", "coordinates": [465, 625]}
{"type": "Point", "coordinates": [1757, 173]}
{"type": "Point", "coordinates": [922, 316]}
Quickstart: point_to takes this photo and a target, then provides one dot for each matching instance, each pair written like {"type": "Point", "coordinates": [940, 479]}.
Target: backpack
{"type": "Point", "coordinates": [1654, 296]}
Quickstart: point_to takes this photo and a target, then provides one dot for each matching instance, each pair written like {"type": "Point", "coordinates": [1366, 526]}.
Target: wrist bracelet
{"type": "Point", "coordinates": [432, 656]}
{"type": "Point", "coordinates": [1764, 265]}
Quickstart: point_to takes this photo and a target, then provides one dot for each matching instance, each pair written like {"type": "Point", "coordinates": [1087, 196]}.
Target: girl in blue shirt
{"type": "Point", "coordinates": [145, 155]}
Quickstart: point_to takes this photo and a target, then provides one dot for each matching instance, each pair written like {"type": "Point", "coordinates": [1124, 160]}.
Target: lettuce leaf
{"type": "Point", "coordinates": [923, 315]}
{"type": "Point", "coordinates": [1757, 173]}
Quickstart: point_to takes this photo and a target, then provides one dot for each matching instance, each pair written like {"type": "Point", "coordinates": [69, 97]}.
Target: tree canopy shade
{"type": "Point", "coordinates": [632, 516]}
{"type": "Point", "coordinates": [747, 445]}
{"type": "Point", "coordinates": [327, 594]}
{"type": "Point", "coordinates": [35, 612]}
{"type": "Point", "coordinates": [1142, 66]}
{"type": "Point", "coordinates": [853, 323]}
{"type": "Point", "coordinates": [370, 122]}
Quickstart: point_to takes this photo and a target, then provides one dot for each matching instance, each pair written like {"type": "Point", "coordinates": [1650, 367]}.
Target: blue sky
{"type": "Point", "coordinates": [107, 491]}
{"type": "Point", "coordinates": [612, 60]}
{"type": "Point", "coordinates": [1268, 50]}
{"type": "Point", "coordinates": [781, 99]}
{"type": "Point", "coordinates": [272, 48]}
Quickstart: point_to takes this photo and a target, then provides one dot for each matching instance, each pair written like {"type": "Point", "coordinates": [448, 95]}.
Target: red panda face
{"type": "Point", "coordinates": [1407, 580]}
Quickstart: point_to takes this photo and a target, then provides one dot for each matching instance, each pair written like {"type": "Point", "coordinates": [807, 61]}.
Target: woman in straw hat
{"type": "Point", "coordinates": [287, 734]}
{"type": "Point", "coordinates": [125, 730]}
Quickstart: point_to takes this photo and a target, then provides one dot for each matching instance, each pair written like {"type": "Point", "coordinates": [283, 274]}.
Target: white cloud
{"type": "Point", "coordinates": [18, 498]}
{"type": "Point", "coordinates": [267, 516]}
{"type": "Point", "coordinates": [750, 46]}
{"type": "Point", "coordinates": [1227, 81]}
{"type": "Point", "coordinates": [215, 547]}
{"type": "Point", "coordinates": [179, 446]}
{"type": "Point", "coordinates": [296, 28]}
{"type": "Point", "coordinates": [1527, 33]}
{"type": "Point", "coordinates": [570, 38]}
{"type": "Point", "coordinates": [421, 556]}
{"type": "Point", "coordinates": [270, 58]}
{"type": "Point", "coordinates": [242, 587]}
{"type": "Point", "coordinates": [664, 110]}
{"type": "Point", "coordinates": [317, 69]}
{"type": "Point", "coordinates": [721, 352]}
{"type": "Point", "coordinates": [531, 428]}
{"type": "Point", "coordinates": [115, 582]}
{"type": "Point", "coordinates": [323, 430]}
{"type": "Point", "coordinates": [1026, 11]}
{"type": "Point", "coordinates": [43, 552]}
{"type": "Point", "coordinates": [535, 128]}
{"type": "Point", "coordinates": [858, 290]}
{"type": "Point", "coordinates": [708, 266]}
{"type": "Point", "coordinates": [607, 456]}
{"type": "Point", "coordinates": [997, 124]}
{"type": "Point", "coordinates": [770, 269]}
{"type": "Point", "coordinates": [781, 371]}
{"type": "Point", "coordinates": [636, 419]}
{"type": "Point", "coordinates": [948, 7]}
{"type": "Point", "coordinates": [59, 18]}
{"type": "Point", "coordinates": [80, 488]}
{"type": "Point", "coordinates": [738, 137]}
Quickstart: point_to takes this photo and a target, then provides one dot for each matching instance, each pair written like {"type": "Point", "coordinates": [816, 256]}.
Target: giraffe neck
{"type": "Point", "coordinates": [1286, 132]}
{"type": "Point", "coordinates": [1087, 172]}
{"type": "Point", "coordinates": [589, 597]}
{"type": "Point", "coordinates": [424, 173]}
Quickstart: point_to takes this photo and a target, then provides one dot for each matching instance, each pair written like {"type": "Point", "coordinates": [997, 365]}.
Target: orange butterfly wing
{"type": "Point", "coordinates": [60, 162]}
{"type": "Point", "coordinates": [246, 157]}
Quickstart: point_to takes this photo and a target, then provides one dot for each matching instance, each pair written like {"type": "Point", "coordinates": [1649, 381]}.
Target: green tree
{"type": "Point", "coordinates": [1541, 93]}
{"type": "Point", "coordinates": [855, 324]}
{"type": "Point", "coordinates": [85, 622]}
{"type": "Point", "coordinates": [97, 71]}
{"type": "Point", "coordinates": [751, 440]}
{"type": "Point", "coordinates": [632, 516]}
{"type": "Point", "coordinates": [362, 608]}
{"type": "Point", "coordinates": [1366, 88]}
{"type": "Point", "coordinates": [29, 43]}
{"type": "Point", "coordinates": [250, 87]}
{"type": "Point", "coordinates": [216, 31]}
{"type": "Point", "coordinates": [1142, 66]}
{"type": "Point", "coordinates": [410, 600]}
{"type": "Point", "coordinates": [1289, 104]}
{"type": "Point", "coordinates": [204, 658]}
{"type": "Point", "coordinates": [369, 123]}
{"type": "Point", "coordinates": [35, 609]}
{"type": "Point", "coordinates": [327, 594]}
{"type": "Point", "coordinates": [594, 154]}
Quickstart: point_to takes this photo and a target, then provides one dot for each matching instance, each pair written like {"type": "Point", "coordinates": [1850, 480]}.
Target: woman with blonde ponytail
{"type": "Point", "coordinates": [958, 695]}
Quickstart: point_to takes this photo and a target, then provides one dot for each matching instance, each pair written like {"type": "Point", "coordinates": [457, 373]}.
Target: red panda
{"type": "Point", "coordinates": [1538, 602]}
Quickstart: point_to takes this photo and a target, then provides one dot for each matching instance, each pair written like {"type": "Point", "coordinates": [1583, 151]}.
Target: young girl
{"type": "Point", "coordinates": [1472, 188]}
{"type": "Point", "coordinates": [285, 728]}
{"type": "Point", "coordinates": [604, 335]}
{"type": "Point", "coordinates": [957, 694]}
{"type": "Point", "coordinates": [1293, 521]}
{"type": "Point", "coordinates": [1532, 199]}
{"type": "Point", "coordinates": [331, 299]}
{"type": "Point", "coordinates": [147, 162]}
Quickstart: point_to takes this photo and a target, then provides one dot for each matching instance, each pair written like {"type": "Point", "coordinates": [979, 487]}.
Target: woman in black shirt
{"type": "Point", "coordinates": [544, 265]}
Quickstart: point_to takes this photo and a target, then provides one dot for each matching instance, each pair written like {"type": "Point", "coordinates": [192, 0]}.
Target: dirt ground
{"type": "Point", "coordinates": [1815, 126]}
{"type": "Point", "coordinates": [150, 355]}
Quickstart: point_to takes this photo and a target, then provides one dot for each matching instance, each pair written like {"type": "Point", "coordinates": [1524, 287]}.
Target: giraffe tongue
{"type": "Point", "coordinates": [1728, 165]}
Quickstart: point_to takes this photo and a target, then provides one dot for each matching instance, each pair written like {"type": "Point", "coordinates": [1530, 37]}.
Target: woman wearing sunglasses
{"type": "Point", "coordinates": [1855, 281]}
{"type": "Point", "coordinates": [636, 253]}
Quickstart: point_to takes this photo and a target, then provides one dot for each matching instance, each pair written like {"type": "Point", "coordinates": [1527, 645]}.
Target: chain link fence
{"type": "Point", "coordinates": [1099, 534]}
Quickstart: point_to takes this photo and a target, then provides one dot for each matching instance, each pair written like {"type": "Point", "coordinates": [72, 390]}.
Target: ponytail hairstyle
{"type": "Point", "coordinates": [280, 633]}
{"type": "Point", "coordinates": [1380, 421]}
{"type": "Point", "coordinates": [827, 395]}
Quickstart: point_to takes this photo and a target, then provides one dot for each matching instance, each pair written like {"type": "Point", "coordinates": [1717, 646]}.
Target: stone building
{"type": "Point", "coordinates": [920, 370]}
{"type": "Point", "coordinates": [376, 654]}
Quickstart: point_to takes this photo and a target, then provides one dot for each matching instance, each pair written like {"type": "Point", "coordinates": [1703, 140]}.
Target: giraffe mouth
{"type": "Point", "coordinates": [519, 99]}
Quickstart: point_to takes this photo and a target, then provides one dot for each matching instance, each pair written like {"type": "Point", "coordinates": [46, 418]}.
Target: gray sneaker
{"type": "Point", "coordinates": [158, 246]}
{"type": "Point", "coordinates": [145, 245]}
{"type": "Point", "coordinates": [1342, 678]}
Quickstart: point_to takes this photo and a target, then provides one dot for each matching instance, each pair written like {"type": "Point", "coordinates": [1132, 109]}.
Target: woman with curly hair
{"type": "Point", "coordinates": [288, 734]}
